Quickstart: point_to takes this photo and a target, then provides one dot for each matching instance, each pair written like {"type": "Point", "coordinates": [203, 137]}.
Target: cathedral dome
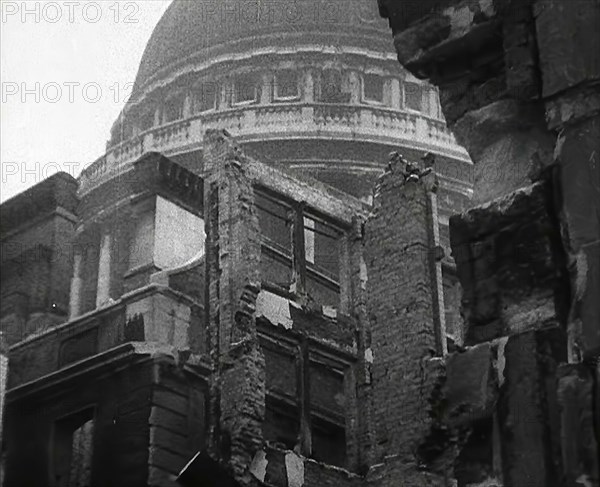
{"type": "Point", "coordinates": [313, 86]}
{"type": "Point", "coordinates": [208, 27]}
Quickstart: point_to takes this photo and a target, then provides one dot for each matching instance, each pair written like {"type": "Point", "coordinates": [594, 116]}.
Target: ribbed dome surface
{"type": "Point", "coordinates": [208, 27]}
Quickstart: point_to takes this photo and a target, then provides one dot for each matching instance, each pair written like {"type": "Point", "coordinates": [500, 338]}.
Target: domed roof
{"type": "Point", "coordinates": [209, 27]}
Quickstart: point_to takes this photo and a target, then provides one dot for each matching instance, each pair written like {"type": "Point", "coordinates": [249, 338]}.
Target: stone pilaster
{"type": "Point", "coordinates": [76, 283]}
{"type": "Point", "coordinates": [104, 274]}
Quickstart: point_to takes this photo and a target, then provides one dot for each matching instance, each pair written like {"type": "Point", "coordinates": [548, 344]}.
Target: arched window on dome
{"type": "Point", "coordinates": [373, 88]}
{"type": "Point", "coordinates": [146, 119]}
{"type": "Point", "coordinates": [173, 108]}
{"type": "Point", "coordinates": [333, 87]}
{"type": "Point", "coordinates": [245, 90]}
{"type": "Point", "coordinates": [413, 96]}
{"type": "Point", "coordinates": [205, 96]}
{"type": "Point", "coordinates": [287, 85]}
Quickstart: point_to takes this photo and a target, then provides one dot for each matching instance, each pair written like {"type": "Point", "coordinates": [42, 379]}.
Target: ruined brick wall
{"type": "Point", "coordinates": [521, 94]}
{"type": "Point", "coordinates": [401, 302]}
{"type": "Point", "coordinates": [524, 102]}
{"type": "Point", "coordinates": [516, 296]}
{"type": "Point", "coordinates": [232, 261]}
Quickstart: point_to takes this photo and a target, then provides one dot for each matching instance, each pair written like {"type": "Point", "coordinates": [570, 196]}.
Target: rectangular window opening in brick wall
{"type": "Point", "coordinates": [299, 249]}
{"type": "Point", "coordinates": [274, 221]}
{"type": "Point", "coordinates": [306, 404]}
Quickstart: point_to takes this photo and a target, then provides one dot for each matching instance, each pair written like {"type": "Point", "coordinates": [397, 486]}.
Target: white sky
{"type": "Point", "coordinates": [59, 44]}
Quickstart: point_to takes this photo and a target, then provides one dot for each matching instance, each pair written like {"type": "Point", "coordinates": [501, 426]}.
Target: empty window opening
{"type": "Point", "coordinates": [246, 89]}
{"type": "Point", "coordinates": [286, 85]}
{"type": "Point", "coordinates": [173, 109]}
{"type": "Point", "coordinates": [205, 97]}
{"type": "Point", "coordinates": [73, 449]}
{"type": "Point", "coordinates": [413, 96]}
{"type": "Point", "coordinates": [373, 88]}
{"type": "Point", "coordinates": [333, 87]}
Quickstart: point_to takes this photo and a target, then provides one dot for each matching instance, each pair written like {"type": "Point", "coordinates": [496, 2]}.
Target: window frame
{"type": "Point", "coordinates": [198, 90]}
{"type": "Point", "coordinates": [167, 103]}
{"type": "Point", "coordinates": [147, 114]}
{"type": "Point", "coordinates": [308, 357]}
{"type": "Point", "coordinates": [302, 270]}
{"type": "Point", "coordinates": [255, 100]}
{"type": "Point", "coordinates": [405, 105]}
{"type": "Point", "coordinates": [340, 100]}
{"type": "Point", "coordinates": [370, 101]}
{"type": "Point", "coordinates": [279, 98]}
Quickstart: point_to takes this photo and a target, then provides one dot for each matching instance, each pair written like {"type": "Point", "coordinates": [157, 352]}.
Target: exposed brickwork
{"type": "Point", "coordinates": [508, 255]}
{"type": "Point", "coordinates": [542, 78]}
{"type": "Point", "coordinates": [398, 258]}
{"type": "Point", "coordinates": [526, 107]}
{"type": "Point", "coordinates": [576, 389]}
{"type": "Point", "coordinates": [233, 256]}
{"type": "Point", "coordinates": [528, 408]}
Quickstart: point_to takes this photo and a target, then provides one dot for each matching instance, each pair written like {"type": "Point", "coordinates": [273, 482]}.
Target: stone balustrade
{"type": "Point", "coordinates": [252, 122]}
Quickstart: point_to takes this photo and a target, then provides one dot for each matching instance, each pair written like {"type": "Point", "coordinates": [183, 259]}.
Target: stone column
{"type": "Point", "coordinates": [76, 282]}
{"type": "Point", "coordinates": [187, 105]}
{"type": "Point", "coordinates": [266, 89]}
{"type": "Point", "coordinates": [103, 289]}
{"type": "Point", "coordinates": [355, 86]}
{"type": "Point", "coordinates": [395, 93]}
{"type": "Point", "coordinates": [308, 87]}
{"type": "Point", "coordinates": [434, 103]}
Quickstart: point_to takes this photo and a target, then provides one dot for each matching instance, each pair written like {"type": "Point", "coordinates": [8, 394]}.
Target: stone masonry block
{"type": "Point", "coordinates": [579, 444]}
{"type": "Point", "coordinates": [471, 388]}
{"type": "Point", "coordinates": [508, 264]}
{"type": "Point", "coordinates": [563, 28]}
{"type": "Point", "coordinates": [528, 410]}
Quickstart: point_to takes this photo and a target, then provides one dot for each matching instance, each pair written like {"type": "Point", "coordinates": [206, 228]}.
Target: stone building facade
{"type": "Point", "coordinates": [183, 298]}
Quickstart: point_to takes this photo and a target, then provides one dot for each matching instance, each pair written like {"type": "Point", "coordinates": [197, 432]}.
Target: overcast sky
{"type": "Point", "coordinates": [67, 68]}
